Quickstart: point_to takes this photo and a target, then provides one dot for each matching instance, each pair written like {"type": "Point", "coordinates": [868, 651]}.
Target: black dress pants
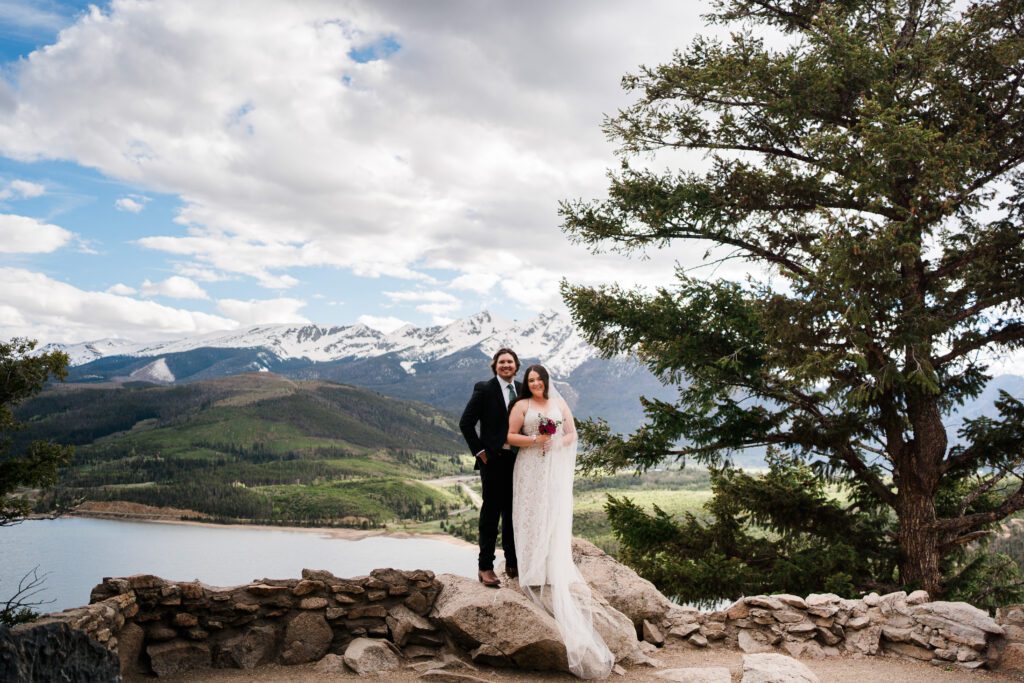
{"type": "Point", "coordinates": [496, 479]}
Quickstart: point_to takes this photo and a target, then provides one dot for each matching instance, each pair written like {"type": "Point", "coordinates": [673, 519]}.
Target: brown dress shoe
{"type": "Point", "coordinates": [512, 572]}
{"type": "Point", "coordinates": [488, 578]}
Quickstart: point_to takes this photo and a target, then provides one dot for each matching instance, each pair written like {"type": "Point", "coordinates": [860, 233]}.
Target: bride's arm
{"type": "Point", "coordinates": [515, 426]}
{"type": "Point", "coordinates": [568, 425]}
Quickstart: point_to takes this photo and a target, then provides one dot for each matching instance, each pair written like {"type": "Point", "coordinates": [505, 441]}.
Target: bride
{"type": "Point", "coordinates": [541, 425]}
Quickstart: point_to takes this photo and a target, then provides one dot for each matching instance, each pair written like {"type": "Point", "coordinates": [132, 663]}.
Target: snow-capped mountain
{"type": "Point", "coordinates": [550, 336]}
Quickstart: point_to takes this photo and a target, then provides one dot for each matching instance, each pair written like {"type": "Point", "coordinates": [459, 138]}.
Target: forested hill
{"type": "Point", "coordinates": [256, 447]}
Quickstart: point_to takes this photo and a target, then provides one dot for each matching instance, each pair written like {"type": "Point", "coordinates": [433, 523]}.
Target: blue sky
{"type": "Point", "coordinates": [178, 167]}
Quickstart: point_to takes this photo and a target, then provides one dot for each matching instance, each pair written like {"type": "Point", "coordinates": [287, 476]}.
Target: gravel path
{"type": "Point", "coordinates": [832, 670]}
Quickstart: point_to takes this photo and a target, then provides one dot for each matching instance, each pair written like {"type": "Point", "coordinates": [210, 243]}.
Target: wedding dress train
{"type": "Point", "coordinates": [542, 518]}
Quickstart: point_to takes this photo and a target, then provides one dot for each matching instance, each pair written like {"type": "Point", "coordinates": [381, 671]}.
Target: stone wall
{"type": "Point", "coordinates": [823, 625]}
{"type": "Point", "coordinates": [183, 625]}
{"type": "Point", "coordinates": [390, 618]}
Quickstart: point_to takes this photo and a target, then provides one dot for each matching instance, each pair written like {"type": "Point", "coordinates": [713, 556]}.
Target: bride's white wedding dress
{"type": "Point", "coordinates": [542, 518]}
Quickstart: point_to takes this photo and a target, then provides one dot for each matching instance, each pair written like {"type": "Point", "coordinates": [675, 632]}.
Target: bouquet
{"type": "Point", "coordinates": [545, 425]}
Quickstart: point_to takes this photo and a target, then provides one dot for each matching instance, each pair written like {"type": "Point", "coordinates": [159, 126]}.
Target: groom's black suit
{"type": "Point", "coordinates": [486, 408]}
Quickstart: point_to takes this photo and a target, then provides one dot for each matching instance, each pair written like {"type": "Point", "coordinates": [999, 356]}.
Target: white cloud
{"type": "Point", "coordinates": [199, 273]}
{"type": "Point", "coordinates": [122, 289]}
{"type": "Point", "coordinates": [384, 324]}
{"type": "Point", "coordinates": [54, 311]}
{"type": "Point", "coordinates": [174, 287]}
{"type": "Point", "coordinates": [288, 154]}
{"type": "Point", "coordinates": [21, 189]}
{"type": "Point", "coordinates": [434, 302]}
{"type": "Point", "coordinates": [131, 204]}
{"type": "Point", "coordinates": [263, 311]}
{"type": "Point", "coordinates": [24, 235]}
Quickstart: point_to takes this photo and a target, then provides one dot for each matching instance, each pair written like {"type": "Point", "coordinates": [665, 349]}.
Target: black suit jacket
{"type": "Point", "coordinates": [486, 407]}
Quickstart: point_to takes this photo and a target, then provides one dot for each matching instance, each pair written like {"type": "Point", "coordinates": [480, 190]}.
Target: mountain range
{"type": "Point", "coordinates": [436, 365]}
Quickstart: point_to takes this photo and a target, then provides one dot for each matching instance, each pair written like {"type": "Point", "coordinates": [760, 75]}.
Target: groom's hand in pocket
{"type": "Point", "coordinates": [483, 456]}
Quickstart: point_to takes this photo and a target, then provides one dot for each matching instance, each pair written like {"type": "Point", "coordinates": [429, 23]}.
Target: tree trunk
{"type": "Point", "coordinates": [918, 538]}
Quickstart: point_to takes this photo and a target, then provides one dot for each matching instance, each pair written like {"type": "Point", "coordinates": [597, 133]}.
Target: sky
{"type": "Point", "coordinates": [170, 167]}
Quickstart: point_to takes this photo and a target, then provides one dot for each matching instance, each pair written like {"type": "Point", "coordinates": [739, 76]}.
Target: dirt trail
{"type": "Point", "coordinates": [832, 670]}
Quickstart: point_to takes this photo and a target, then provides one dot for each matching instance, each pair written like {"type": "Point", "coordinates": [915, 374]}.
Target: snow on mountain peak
{"type": "Point", "coordinates": [550, 336]}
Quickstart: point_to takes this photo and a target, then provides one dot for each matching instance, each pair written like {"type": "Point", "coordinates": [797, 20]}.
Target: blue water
{"type": "Point", "coordinates": [76, 553]}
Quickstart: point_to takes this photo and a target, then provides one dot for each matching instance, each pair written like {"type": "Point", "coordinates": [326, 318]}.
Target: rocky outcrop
{"type": "Point", "coordinates": [622, 587]}
{"type": "Point", "coordinates": [54, 651]}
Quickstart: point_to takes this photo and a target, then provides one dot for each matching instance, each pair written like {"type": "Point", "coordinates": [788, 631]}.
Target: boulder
{"type": "Point", "coordinates": [752, 641]}
{"type": "Point", "coordinates": [331, 664]}
{"type": "Point", "coordinates": [369, 656]}
{"type": "Point", "coordinates": [406, 625]}
{"type": "Point", "coordinates": [775, 668]}
{"type": "Point", "coordinates": [627, 592]}
{"type": "Point", "coordinates": [501, 627]}
{"type": "Point", "coordinates": [959, 613]}
{"type": "Point", "coordinates": [653, 634]}
{"type": "Point", "coordinates": [129, 648]}
{"type": "Point", "coordinates": [247, 650]}
{"type": "Point", "coordinates": [176, 656]}
{"type": "Point", "coordinates": [713, 674]}
{"type": "Point", "coordinates": [306, 638]}
{"type": "Point", "coordinates": [617, 631]}
{"type": "Point", "coordinates": [54, 652]}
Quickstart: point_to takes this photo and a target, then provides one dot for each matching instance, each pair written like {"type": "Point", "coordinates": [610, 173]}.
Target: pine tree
{"type": "Point", "coordinates": [867, 164]}
{"type": "Point", "coordinates": [23, 375]}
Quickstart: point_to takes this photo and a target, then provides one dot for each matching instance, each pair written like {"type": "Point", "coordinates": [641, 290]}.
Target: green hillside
{"type": "Point", "coordinates": [259, 448]}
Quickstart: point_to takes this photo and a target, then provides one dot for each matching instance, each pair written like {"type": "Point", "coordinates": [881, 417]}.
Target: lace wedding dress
{"type": "Point", "coordinates": [542, 518]}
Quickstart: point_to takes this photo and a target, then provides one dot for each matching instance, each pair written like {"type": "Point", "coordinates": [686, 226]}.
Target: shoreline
{"type": "Point", "coordinates": [341, 533]}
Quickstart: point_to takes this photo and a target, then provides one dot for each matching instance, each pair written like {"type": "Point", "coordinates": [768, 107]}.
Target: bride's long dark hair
{"type": "Point", "coordinates": [542, 372]}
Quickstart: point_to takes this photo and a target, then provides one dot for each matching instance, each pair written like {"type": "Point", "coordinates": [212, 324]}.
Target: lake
{"type": "Point", "coordinates": [78, 552]}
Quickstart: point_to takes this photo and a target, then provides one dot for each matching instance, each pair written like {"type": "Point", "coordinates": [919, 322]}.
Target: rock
{"type": "Point", "coordinates": [331, 664]}
{"type": "Point", "coordinates": [653, 634]}
{"type": "Point", "coordinates": [805, 649]}
{"type": "Point", "coordinates": [896, 635]}
{"type": "Point", "coordinates": [500, 626]}
{"type": "Point", "coordinates": [185, 620]}
{"type": "Point", "coordinates": [159, 632]}
{"type": "Point", "coordinates": [264, 590]}
{"type": "Point", "coordinates": [857, 623]}
{"type": "Point", "coordinates": [751, 641]}
{"type": "Point", "coordinates": [768, 602]}
{"type": "Point", "coordinates": [957, 612]}
{"type": "Point", "coordinates": [307, 586]}
{"type": "Point", "coordinates": [684, 630]}
{"type": "Point", "coordinates": [306, 638]}
{"type": "Point", "coordinates": [775, 668]}
{"type": "Point", "coordinates": [918, 597]}
{"type": "Point", "coordinates": [313, 603]}
{"type": "Point", "coordinates": [129, 648]}
{"type": "Point", "coordinates": [368, 656]}
{"type": "Point", "coordinates": [622, 587]}
{"type": "Point", "coordinates": [54, 652]}
{"type": "Point", "coordinates": [791, 600]}
{"type": "Point", "coordinates": [248, 650]}
{"type": "Point", "coordinates": [406, 624]}
{"type": "Point", "coordinates": [820, 599]}
{"type": "Point", "coordinates": [738, 610]}
{"type": "Point", "coordinates": [714, 674]}
{"type": "Point", "coordinates": [865, 641]}
{"type": "Point", "coordinates": [617, 631]}
{"type": "Point", "coordinates": [1011, 659]}
{"type": "Point", "coordinates": [177, 656]}
{"type": "Point", "coordinates": [911, 651]}
{"type": "Point", "coordinates": [699, 640]}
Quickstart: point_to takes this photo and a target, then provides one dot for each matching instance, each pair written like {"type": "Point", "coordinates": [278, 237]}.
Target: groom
{"type": "Point", "coordinates": [488, 407]}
